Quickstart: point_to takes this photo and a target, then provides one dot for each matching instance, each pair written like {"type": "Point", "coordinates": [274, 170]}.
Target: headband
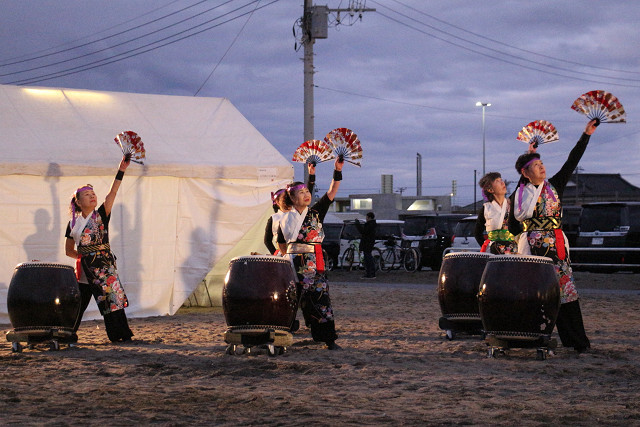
{"type": "Point", "coordinates": [73, 204]}
{"type": "Point", "coordinates": [275, 195]}
{"type": "Point", "coordinates": [526, 165]}
{"type": "Point", "coordinates": [295, 187]}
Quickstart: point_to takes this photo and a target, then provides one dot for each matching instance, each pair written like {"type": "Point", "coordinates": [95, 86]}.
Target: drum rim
{"type": "Point", "coordinates": [469, 255]}
{"type": "Point", "coordinates": [31, 264]}
{"type": "Point", "coordinates": [254, 258]}
{"type": "Point", "coordinates": [522, 258]}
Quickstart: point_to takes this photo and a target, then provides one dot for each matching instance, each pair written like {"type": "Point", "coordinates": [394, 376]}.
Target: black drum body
{"type": "Point", "coordinates": [458, 284]}
{"type": "Point", "coordinates": [519, 298]}
{"type": "Point", "coordinates": [43, 296]}
{"type": "Point", "coordinates": [260, 291]}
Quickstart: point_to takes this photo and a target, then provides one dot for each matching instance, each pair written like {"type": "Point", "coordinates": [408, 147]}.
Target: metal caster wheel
{"type": "Point", "coordinates": [451, 334]}
{"type": "Point", "coordinates": [247, 351]}
{"type": "Point", "coordinates": [491, 353]}
{"type": "Point", "coordinates": [541, 354]}
{"type": "Point", "coordinates": [55, 345]}
{"type": "Point", "coordinates": [231, 349]}
{"type": "Point", "coordinates": [272, 350]}
{"type": "Point", "coordinates": [16, 347]}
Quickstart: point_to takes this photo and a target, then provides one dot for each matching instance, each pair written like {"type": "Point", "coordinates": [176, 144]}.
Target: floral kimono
{"type": "Point", "coordinates": [97, 261]}
{"type": "Point", "coordinates": [304, 235]}
{"type": "Point", "coordinates": [540, 211]}
{"type": "Point", "coordinates": [494, 218]}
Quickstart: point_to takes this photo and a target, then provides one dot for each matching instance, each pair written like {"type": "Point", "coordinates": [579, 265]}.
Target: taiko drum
{"type": "Point", "coordinates": [260, 291]}
{"type": "Point", "coordinates": [519, 296]}
{"type": "Point", "coordinates": [43, 295]}
{"type": "Point", "coordinates": [458, 283]}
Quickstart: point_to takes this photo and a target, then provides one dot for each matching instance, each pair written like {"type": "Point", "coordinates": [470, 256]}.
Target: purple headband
{"type": "Point", "coordinates": [526, 165]}
{"type": "Point", "coordinates": [275, 195]}
{"type": "Point", "coordinates": [295, 187]}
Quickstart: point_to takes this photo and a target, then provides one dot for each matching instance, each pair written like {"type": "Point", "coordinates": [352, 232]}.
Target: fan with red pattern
{"type": "Point", "coordinates": [345, 145]}
{"type": "Point", "coordinates": [538, 132]}
{"type": "Point", "coordinates": [131, 144]}
{"type": "Point", "coordinates": [313, 151]}
{"type": "Point", "coordinates": [601, 106]}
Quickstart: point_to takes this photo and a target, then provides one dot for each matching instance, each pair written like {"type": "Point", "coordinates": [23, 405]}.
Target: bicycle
{"type": "Point", "coordinates": [351, 260]}
{"type": "Point", "coordinates": [403, 254]}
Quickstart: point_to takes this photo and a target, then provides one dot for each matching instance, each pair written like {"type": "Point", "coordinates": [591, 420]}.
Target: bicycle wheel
{"type": "Point", "coordinates": [328, 261]}
{"type": "Point", "coordinates": [410, 260]}
{"type": "Point", "coordinates": [347, 259]}
{"type": "Point", "coordinates": [377, 259]}
{"type": "Point", "coordinates": [388, 259]}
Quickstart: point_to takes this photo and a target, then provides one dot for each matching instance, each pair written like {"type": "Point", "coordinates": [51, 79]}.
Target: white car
{"type": "Point", "coordinates": [463, 239]}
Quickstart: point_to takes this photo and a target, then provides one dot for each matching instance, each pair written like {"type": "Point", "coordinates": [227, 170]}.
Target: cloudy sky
{"type": "Point", "coordinates": [405, 78]}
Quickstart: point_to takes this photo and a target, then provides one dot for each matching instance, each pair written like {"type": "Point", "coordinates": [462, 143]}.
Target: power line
{"type": "Point", "coordinates": [114, 58]}
{"type": "Point", "coordinates": [128, 41]}
{"type": "Point", "coordinates": [226, 51]}
{"type": "Point", "coordinates": [511, 46]}
{"type": "Point", "coordinates": [101, 39]}
{"type": "Point", "coordinates": [499, 52]}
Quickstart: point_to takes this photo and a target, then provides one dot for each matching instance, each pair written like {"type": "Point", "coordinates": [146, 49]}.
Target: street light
{"type": "Point", "coordinates": [483, 105]}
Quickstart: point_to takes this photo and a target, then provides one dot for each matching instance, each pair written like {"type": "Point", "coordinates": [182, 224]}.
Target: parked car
{"type": "Point", "coordinates": [463, 239]}
{"type": "Point", "coordinates": [570, 221]}
{"type": "Point", "coordinates": [385, 229]}
{"type": "Point", "coordinates": [608, 237]}
{"type": "Point", "coordinates": [331, 243]}
{"type": "Point", "coordinates": [434, 234]}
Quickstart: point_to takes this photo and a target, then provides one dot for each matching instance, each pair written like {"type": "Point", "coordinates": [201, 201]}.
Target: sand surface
{"type": "Point", "coordinates": [395, 368]}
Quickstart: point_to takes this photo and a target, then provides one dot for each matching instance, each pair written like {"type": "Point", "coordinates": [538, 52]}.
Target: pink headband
{"type": "Point", "coordinates": [295, 187]}
{"type": "Point", "coordinates": [275, 195]}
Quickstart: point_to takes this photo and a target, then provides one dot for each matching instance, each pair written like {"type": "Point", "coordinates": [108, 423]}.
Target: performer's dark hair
{"type": "Point", "coordinates": [371, 215]}
{"type": "Point", "coordinates": [486, 182]}
{"type": "Point", "coordinates": [524, 159]}
{"type": "Point", "coordinates": [74, 201]}
{"type": "Point", "coordinates": [287, 196]}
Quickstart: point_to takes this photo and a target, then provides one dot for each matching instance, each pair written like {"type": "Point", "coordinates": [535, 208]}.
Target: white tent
{"type": "Point", "coordinates": [201, 198]}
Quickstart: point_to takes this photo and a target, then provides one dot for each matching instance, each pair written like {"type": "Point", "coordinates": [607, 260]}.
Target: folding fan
{"type": "Point", "coordinates": [131, 144]}
{"type": "Point", "coordinates": [345, 145]}
{"type": "Point", "coordinates": [602, 106]}
{"type": "Point", "coordinates": [538, 132]}
{"type": "Point", "coordinates": [313, 151]}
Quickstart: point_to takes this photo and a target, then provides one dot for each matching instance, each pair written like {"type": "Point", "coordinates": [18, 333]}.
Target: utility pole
{"type": "Point", "coordinates": [418, 174]}
{"type": "Point", "coordinates": [314, 24]}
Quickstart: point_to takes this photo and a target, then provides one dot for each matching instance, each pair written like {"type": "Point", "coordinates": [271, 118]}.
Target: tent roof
{"type": "Point", "coordinates": [70, 132]}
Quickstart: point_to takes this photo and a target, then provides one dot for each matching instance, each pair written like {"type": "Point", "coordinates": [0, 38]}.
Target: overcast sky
{"type": "Point", "coordinates": [405, 78]}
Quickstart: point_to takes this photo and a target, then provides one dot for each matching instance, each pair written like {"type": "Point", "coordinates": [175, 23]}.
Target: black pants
{"type": "Point", "coordinates": [85, 298]}
{"type": "Point", "coordinates": [369, 263]}
{"type": "Point", "coordinates": [570, 326]}
{"type": "Point", "coordinates": [115, 323]}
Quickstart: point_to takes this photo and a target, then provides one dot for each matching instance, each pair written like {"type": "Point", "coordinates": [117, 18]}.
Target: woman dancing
{"type": "Point", "coordinates": [537, 214]}
{"type": "Point", "coordinates": [494, 217]}
{"type": "Point", "coordinates": [88, 230]}
{"type": "Point", "coordinates": [280, 207]}
{"type": "Point", "coordinates": [300, 234]}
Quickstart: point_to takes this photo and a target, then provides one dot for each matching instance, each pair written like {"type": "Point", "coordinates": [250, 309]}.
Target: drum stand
{"type": "Point", "coordinates": [457, 325]}
{"type": "Point", "coordinates": [275, 339]}
{"type": "Point", "coordinates": [543, 344]}
{"type": "Point", "coordinates": [31, 335]}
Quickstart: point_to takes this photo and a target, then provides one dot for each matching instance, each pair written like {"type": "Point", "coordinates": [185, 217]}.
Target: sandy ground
{"type": "Point", "coordinates": [395, 368]}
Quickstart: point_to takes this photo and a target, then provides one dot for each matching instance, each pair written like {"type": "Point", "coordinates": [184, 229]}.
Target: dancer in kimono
{"type": "Point", "coordinates": [493, 217]}
{"type": "Point", "coordinates": [279, 208]}
{"type": "Point", "coordinates": [300, 236]}
{"type": "Point", "coordinates": [88, 242]}
{"type": "Point", "coordinates": [537, 215]}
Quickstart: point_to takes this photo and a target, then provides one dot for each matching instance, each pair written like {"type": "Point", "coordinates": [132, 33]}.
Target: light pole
{"type": "Point", "coordinates": [483, 105]}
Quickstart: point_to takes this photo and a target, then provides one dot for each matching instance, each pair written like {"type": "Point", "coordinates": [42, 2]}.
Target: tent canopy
{"type": "Point", "coordinates": [185, 136]}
